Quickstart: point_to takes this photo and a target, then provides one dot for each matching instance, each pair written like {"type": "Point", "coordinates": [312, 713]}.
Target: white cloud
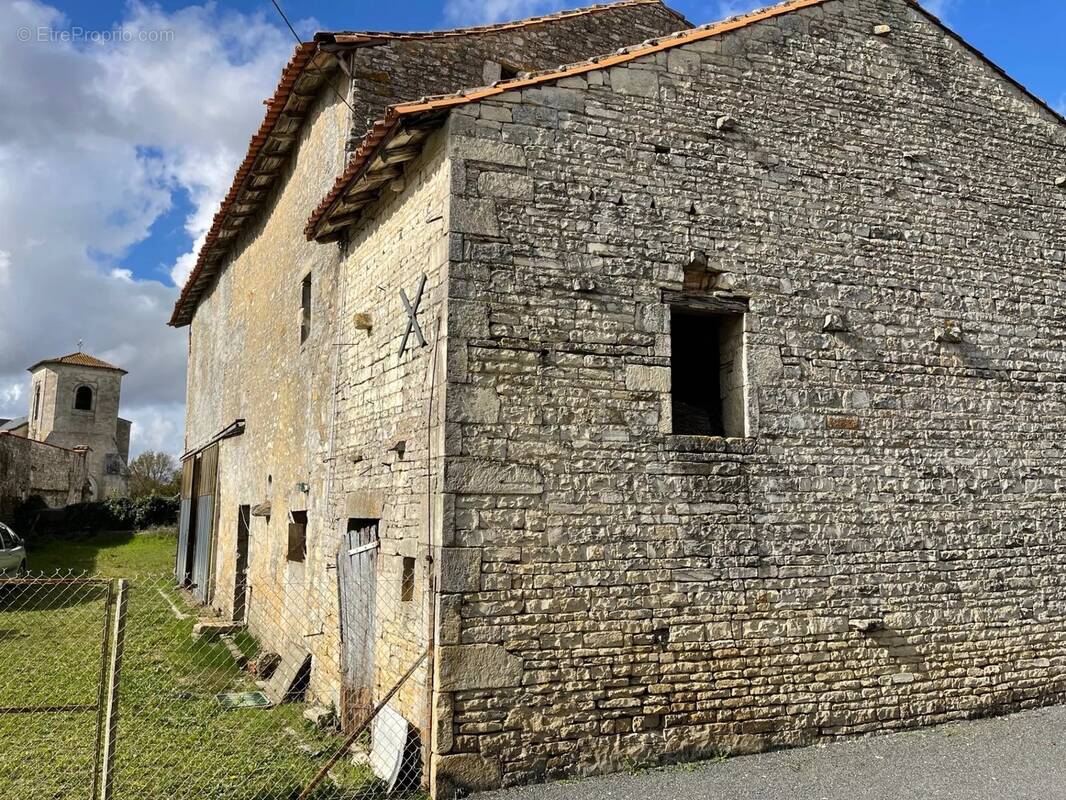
{"type": "Point", "coordinates": [156, 428]}
{"type": "Point", "coordinates": [95, 139]}
{"type": "Point", "coordinates": [940, 8]}
{"type": "Point", "coordinates": [483, 12]}
{"type": "Point", "coordinates": [732, 8]}
{"type": "Point", "coordinates": [11, 396]}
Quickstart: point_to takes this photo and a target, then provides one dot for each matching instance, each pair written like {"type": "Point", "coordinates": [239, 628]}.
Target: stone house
{"type": "Point", "coordinates": [721, 408]}
{"type": "Point", "coordinates": [72, 445]}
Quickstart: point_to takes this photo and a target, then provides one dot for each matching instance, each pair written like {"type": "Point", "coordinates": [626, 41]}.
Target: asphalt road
{"type": "Point", "coordinates": [1017, 757]}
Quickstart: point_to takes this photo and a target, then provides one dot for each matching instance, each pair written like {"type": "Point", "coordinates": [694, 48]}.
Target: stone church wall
{"type": "Point", "coordinates": [884, 548]}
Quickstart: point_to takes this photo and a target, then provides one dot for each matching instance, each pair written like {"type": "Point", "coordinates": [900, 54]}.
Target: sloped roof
{"type": "Point", "coordinates": [13, 424]}
{"type": "Point", "coordinates": [79, 360]}
{"type": "Point", "coordinates": [335, 211]}
{"type": "Point", "coordinates": [268, 149]}
{"type": "Point", "coordinates": [359, 37]}
{"type": "Point", "coordinates": [388, 142]}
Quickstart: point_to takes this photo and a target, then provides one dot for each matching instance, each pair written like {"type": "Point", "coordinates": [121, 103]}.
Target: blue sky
{"type": "Point", "coordinates": [1024, 38]}
{"type": "Point", "coordinates": [114, 156]}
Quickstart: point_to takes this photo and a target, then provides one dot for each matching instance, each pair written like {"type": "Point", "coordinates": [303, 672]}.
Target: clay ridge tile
{"type": "Point", "coordinates": [78, 359]}
{"type": "Point", "coordinates": [385, 126]}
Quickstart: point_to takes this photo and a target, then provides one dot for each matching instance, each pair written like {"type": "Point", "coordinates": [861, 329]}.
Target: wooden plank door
{"type": "Point", "coordinates": [356, 586]}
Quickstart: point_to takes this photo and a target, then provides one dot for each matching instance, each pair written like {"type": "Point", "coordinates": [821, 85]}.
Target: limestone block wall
{"type": "Point", "coordinates": [247, 361]}
{"type": "Point", "coordinates": [388, 435]}
{"type": "Point", "coordinates": [29, 468]}
{"type": "Point", "coordinates": [884, 549]}
{"type": "Point", "coordinates": [325, 413]}
{"type": "Point", "coordinates": [409, 68]}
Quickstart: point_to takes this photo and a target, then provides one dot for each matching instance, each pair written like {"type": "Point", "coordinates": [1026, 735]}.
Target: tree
{"type": "Point", "coordinates": [154, 473]}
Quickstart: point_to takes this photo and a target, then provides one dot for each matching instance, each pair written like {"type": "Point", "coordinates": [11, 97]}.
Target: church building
{"type": "Point", "coordinates": [74, 405]}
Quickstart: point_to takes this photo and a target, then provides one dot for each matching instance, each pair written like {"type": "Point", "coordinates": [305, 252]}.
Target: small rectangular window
{"type": "Point", "coordinates": [305, 309]}
{"type": "Point", "coordinates": [297, 536]}
{"type": "Point", "coordinates": [707, 373]}
{"type": "Point", "coordinates": [407, 580]}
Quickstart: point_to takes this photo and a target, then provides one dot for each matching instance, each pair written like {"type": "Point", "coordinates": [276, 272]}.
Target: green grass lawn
{"type": "Point", "coordinates": [108, 555]}
{"type": "Point", "coordinates": [175, 742]}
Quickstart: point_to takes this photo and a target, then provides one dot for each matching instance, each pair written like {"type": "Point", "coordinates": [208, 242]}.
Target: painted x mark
{"type": "Point", "coordinates": [412, 315]}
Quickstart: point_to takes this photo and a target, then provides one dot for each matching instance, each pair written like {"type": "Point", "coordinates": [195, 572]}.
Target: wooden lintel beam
{"type": "Point", "coordinates": [398, 155]}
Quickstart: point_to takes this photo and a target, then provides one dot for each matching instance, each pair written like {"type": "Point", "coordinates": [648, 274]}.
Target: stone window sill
{"type": "Point", "coordinates": [684, 443]}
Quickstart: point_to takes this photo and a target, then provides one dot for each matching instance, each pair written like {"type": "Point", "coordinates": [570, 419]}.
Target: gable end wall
{"type": "Point", "coordinates": [886, 551]}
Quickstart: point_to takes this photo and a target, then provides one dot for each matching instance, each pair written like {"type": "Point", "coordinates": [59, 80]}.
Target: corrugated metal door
{"type": "Point", "coordinates": [356, 585]}
{"type": "Point", "coordinates": [206, 480]}
{"type": "Point", "coordinates": [182, 562]}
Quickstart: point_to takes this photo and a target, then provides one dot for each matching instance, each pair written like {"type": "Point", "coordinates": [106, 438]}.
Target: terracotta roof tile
{"type": "Point", "coordinates": [382, 130]}
{"type": "Point", "coordinates": [209, 254]}
{"type": "Point", "coordinates": [81, 360]}
{"type": "Point", "coordinates": [300, 58]}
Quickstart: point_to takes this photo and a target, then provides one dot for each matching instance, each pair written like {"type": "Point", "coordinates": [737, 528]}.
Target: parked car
{"type": "Point", "coordinates": [12, 552]}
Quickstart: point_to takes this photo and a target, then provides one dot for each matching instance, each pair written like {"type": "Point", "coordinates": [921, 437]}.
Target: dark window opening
{"type": "Point", "coordinates": [305, 309]}
{"type": "Point", "coordinates": [296, 692]}
{"type": "Point", "coordinates": [407, 580]}
{"type": "Point", "coordinates": [83, 398]}
{"type": "Point", "coordinates": [362, 531]}
{"type": "Point", "coordinates": [37, 403]}
{"type": "Point", "coordinates": [707, 373]}
{"type": "Point", "coordinates": [297, 536]}
{"type": "Point", "coordinates": [508, 72]}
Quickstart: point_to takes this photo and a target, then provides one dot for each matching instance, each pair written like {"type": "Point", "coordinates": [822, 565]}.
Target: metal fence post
{"type": "Point", "coordinates": [118, 635]}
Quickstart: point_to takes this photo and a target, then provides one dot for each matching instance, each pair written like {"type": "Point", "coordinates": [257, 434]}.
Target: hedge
{"type": "Point", "coordinates": [113, 514]}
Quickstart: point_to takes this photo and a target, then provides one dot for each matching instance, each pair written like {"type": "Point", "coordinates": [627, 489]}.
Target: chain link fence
{"type": "Point", "coordinates": [129, 689]}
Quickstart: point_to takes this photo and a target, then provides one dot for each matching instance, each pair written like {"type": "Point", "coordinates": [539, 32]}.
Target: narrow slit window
{"type": "Point", "coordinates": [297, 536]}
{"type": "Point", "coordinates": [707, 373]}
{"type": "Point", "coordinates": [407, 580]}
{"type": "Point", "coordinates": [305, 309]}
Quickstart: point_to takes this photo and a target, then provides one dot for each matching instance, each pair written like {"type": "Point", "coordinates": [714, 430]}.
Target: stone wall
{"type": "Point", "coordinates": [34, 469]}
{"type": "Point", "coordinates": [409, 68]}
{"type": "Point", "coordinates": [388, 441]}
{"type": "Point", "coordinates": [331, 413]}
{"type": "Point", "coordinates": [247, 361]}
{"type": "Point", "coordinates": [884, 548]}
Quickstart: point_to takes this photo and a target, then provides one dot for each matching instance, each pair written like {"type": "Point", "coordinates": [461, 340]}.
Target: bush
{"type": "Point", "coordinates": [155, 510]}
{"type": "Point", "coordinates": [112, 514]}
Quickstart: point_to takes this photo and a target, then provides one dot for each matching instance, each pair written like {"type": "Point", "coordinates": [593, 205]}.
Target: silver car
{"type": "Point", "coordinates": [12, 552]}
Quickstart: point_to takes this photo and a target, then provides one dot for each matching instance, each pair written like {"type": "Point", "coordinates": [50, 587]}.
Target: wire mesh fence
{"type": "Point", "coordinates": [129, 689]}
